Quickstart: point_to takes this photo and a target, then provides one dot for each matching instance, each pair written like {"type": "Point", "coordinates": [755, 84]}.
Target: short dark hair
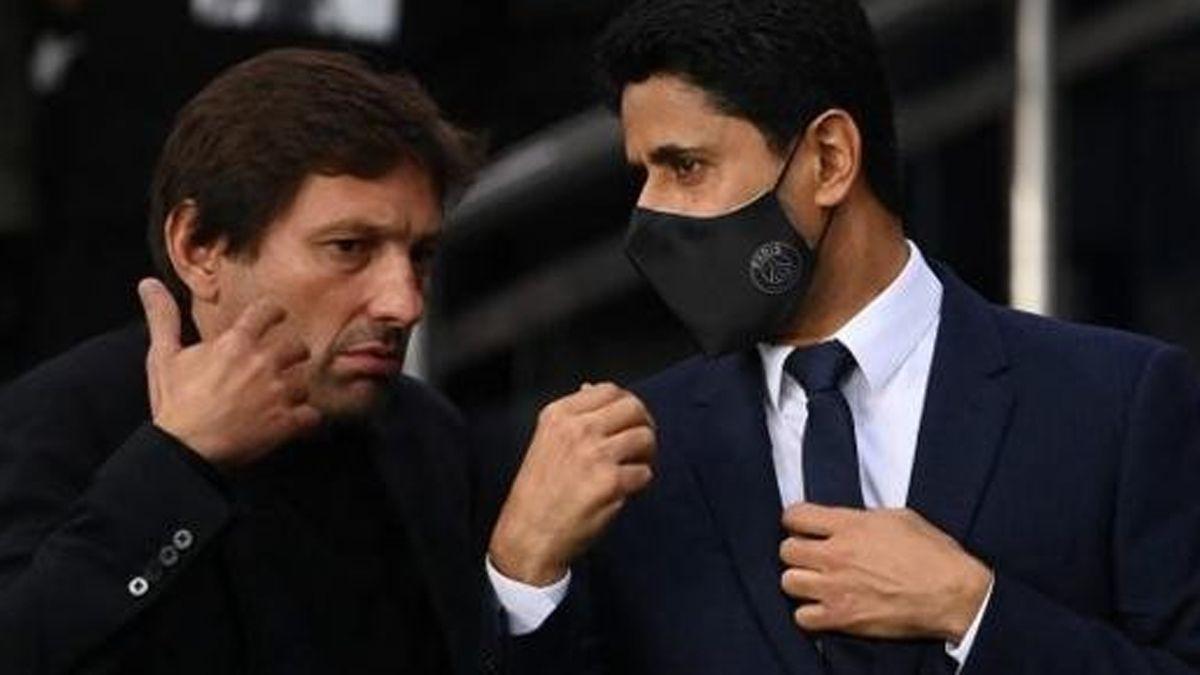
{"type": "Point", "coordinates": [776, 63]}
{"type": "Point", "coordinates": [242, 147]}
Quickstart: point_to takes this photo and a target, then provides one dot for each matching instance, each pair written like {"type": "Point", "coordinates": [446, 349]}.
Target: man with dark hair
{"type": "Point", "coordinates": [251, 485]}
{"type": "Point", "coordinates": [872, 470]}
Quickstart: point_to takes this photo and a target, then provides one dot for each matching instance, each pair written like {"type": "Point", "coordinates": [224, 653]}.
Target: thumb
{"type": "Point", "coordinates": [162, 316]}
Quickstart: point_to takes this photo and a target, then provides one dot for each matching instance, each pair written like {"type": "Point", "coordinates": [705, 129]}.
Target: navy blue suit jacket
{"type": "Point", "coordinates": [1065, 457]}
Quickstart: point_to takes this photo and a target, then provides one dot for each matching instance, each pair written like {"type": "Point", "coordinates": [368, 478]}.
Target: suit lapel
{"type": "Point", "coordinates": [967, 409]}
{"type": "Point", "coordinates": [731, 458]}
{"type": "Point", "coordinates": [431, 503]}
{"type": "Point", "coordinates": [967, 405]}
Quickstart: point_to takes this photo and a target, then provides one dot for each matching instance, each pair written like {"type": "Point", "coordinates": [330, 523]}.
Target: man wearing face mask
{"type": "Point", "coordinates": [871, 469]}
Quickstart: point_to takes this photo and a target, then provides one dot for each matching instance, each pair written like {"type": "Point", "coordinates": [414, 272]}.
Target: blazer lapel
{"type": "Point", "coordinates": [731, 458]}
{"type": "Point", "coordinates": [967, 409]}
{"type": "Point", "coordinates": [432, 504]}
{"type": "Point", "coordinates": [967, 406]}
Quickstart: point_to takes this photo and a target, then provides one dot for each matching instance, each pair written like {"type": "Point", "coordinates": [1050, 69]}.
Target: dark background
{"type": "Point", "coordinates": [532, 295]}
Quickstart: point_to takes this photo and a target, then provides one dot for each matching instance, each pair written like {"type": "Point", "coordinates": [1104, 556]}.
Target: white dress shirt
{"type": "Point", "coordinates": [892, 340]}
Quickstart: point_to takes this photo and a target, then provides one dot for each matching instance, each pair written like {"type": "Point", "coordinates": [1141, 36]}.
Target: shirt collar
{"type": "Point", "coordinates": [883, 334]}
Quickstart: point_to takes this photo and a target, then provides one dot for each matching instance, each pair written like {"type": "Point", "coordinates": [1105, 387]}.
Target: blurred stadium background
{"type": "Point", "coordinates": [1071, 127]}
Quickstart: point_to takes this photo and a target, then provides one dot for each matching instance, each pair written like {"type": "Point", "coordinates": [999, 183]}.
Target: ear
{"type": "Point", "coordinates": [838, 144]}
{"type": "Point", "coordinates": [196, 264]}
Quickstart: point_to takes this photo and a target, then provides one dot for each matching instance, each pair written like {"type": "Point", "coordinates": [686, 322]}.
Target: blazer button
{"type": "Point", "coordinates": [168, 556]}
{"type": "Point", "coordinates": [138, 586]}
{"type": "Point", "coordinates": [183, 539]}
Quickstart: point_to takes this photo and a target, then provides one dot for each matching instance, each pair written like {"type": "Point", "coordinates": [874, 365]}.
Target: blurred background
{"type": "Point", "coordinates": [1051, 150]}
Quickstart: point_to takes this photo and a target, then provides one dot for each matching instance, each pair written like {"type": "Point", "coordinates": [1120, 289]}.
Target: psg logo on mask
{"type": "Point", "coordinates": [776, 267]}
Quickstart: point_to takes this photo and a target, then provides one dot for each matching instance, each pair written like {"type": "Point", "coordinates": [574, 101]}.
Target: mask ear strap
{"type": "Point", "coordinates": [787, 165]}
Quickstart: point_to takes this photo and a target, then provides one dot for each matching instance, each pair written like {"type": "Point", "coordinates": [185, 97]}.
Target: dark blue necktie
{"type": "Point", "coordinates": [831, 468]}
{"type": "Point", "coordinates": [830, 452]}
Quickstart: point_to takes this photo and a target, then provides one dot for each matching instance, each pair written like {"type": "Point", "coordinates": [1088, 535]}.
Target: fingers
{"type": "Point", "coordinates": [162, 316]}
{"type": "Point", "coordinates": [259, 318]}
{"type": "Point", "coordinates": [290, 354]}
{"type": "Point", "coordinates": [631, 446]}
{"type": "Point", "coordinates": [805, 553]}
{"type": "Point", "coordinates": [305, 417]}
{"type": "Point", "coordinates": [814, 520]}
{"type": "Point", "coordinates": [292, 380]}
{"type": "Point", "coordinates": [590, 397]}
{"type": "Point", "coordinates": [624, 412]}
{"type": "Point", "coordinates": [814, 617]}
{"type": "Point", "coordinates": [809, 589]}
{"type": "Point", "coordinates": [634, 478]}
{"type": "Point", "coordinates": [802, 584]}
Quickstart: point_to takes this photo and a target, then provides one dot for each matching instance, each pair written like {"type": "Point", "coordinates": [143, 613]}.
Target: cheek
{"type": "Point", "coordinates": [328, 317]}
{"type": "Point", "coordinates": [238, 289]}
{"type": "Point", "coordinates": [310, 299]}
{"type": "Point", "coordinates": [738, 187]}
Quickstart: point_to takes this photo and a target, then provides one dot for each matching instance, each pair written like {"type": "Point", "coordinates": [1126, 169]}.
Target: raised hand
{"type": "Point", "coordinates": [591, 451]}
{"type": "Point", "coordinates": [231, 399]}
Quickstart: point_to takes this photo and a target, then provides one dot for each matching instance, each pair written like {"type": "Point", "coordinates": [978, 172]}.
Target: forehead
{"type": "Point", "coordinates": [667, 111]}
{"type": "Point", "coordinates": [402, 202]}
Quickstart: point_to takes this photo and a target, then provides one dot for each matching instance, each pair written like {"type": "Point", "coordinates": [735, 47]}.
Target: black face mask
{"type": "Point", "coordinates": [733, 279]}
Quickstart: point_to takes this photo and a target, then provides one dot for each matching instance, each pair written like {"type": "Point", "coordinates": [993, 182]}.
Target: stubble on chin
{"type": "Point", "coordinates": [342, 399]}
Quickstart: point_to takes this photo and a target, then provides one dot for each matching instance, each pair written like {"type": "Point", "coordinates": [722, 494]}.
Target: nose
{"type": "Point", "coordinates": [658, 194]}
{"type": "Point", "coordinates": [397, 291]}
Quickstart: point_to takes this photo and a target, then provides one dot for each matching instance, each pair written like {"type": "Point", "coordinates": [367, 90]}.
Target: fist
{"type": "Point", "coordinates": [591, 451]}
{"type": "Point", "coordinates": [231, 399]}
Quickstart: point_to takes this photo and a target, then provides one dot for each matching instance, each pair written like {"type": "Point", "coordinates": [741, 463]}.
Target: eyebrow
{"type": "Point", "coordinates": [350, 225]}
{"type": "Point", "coordinates": [669, 154]}
{"type": "Point", "coordinates": [353, 227]}
{"type": "Point", "coordinates": [358, 227]}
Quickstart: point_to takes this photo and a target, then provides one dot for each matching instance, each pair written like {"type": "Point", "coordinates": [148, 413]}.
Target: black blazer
{"type": "Point", "coordinates": [1066, 457]}
{"type": "Point", "coordinates": [91, 494]}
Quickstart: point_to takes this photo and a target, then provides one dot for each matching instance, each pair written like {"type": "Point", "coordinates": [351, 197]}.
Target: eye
{"type": "Point", "coordinates": [349, 251]}
{"type": "Point", "coordinates": [688, 170]}
{"type": "Point", "coordinates": [348, 246]}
